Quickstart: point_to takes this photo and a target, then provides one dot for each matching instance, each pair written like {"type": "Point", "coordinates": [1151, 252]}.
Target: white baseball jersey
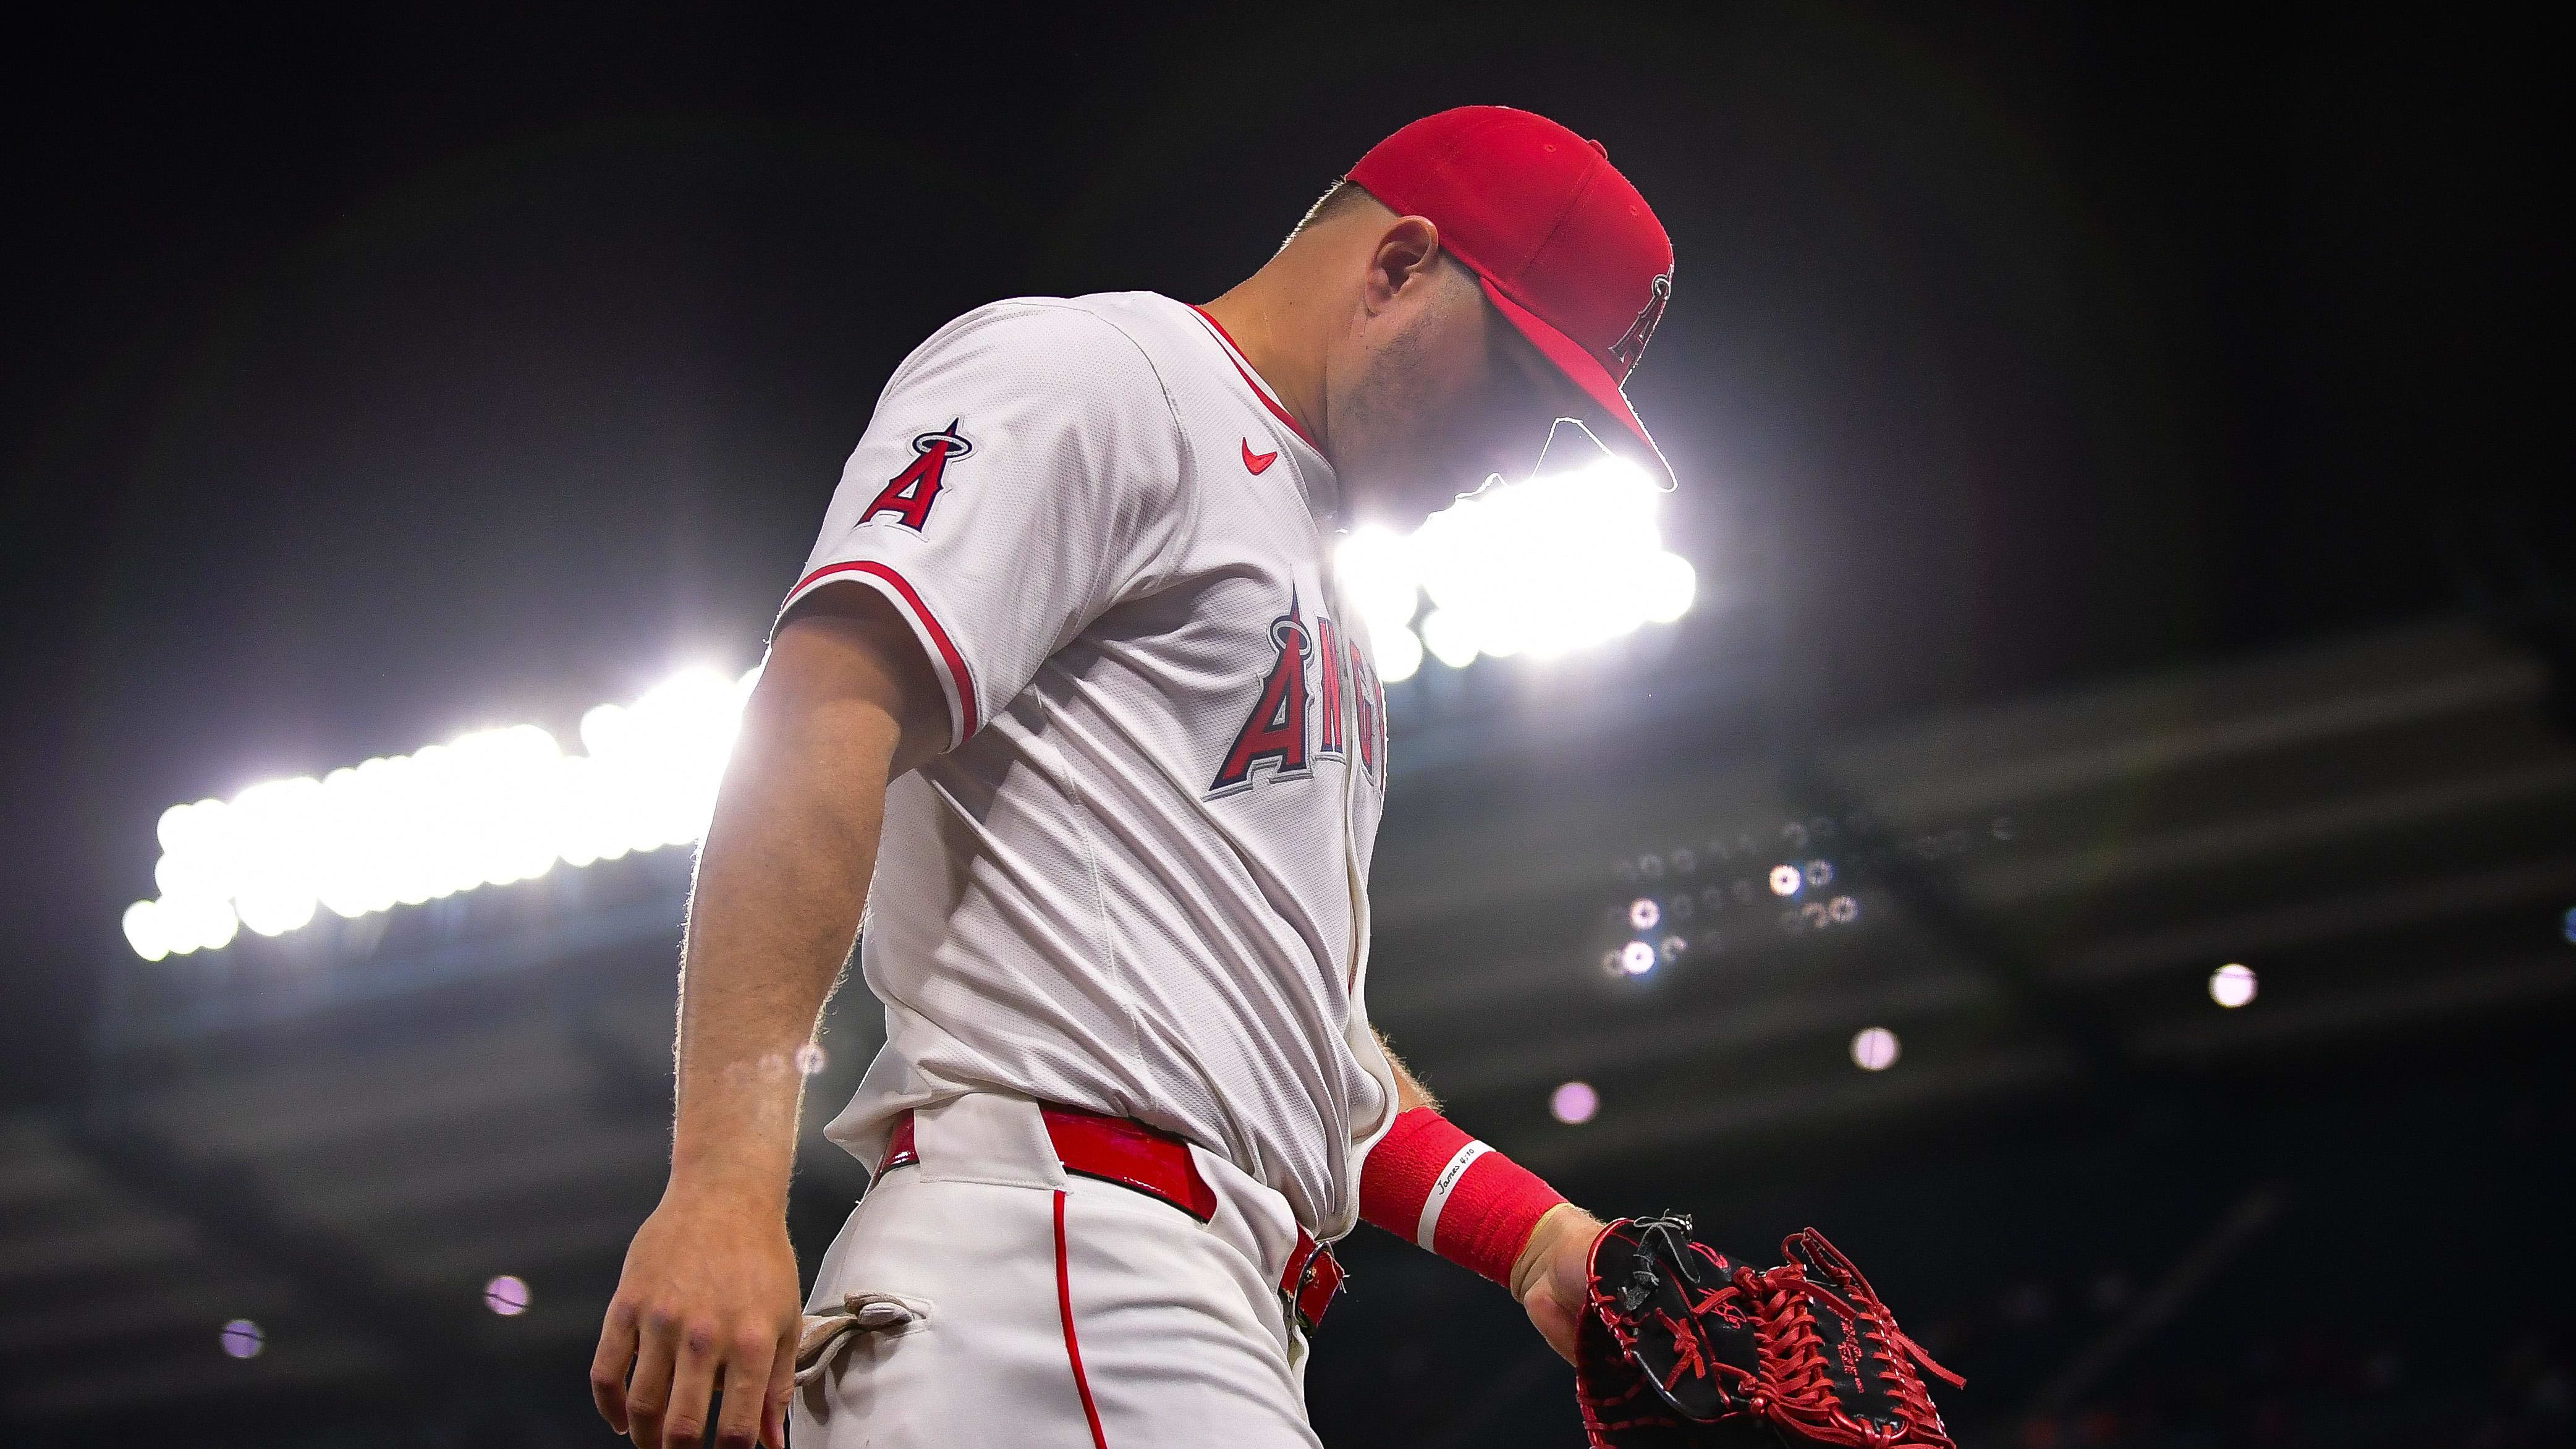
{"type": "Point", "coordinates": [1137, 883]}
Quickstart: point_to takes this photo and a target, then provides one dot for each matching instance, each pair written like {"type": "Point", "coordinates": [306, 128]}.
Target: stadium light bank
{"type": "Point", "coordinates": [1542, 568]}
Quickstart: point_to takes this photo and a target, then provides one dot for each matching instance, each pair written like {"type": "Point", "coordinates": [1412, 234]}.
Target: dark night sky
{"type": "Point", "coordinates": [374, 376]}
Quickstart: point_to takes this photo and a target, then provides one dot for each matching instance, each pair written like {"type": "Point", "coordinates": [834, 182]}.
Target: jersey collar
{"type": "Point", "coordinates": [1325, 501]}
{"type": "Point", "coordinates": [1252, 379]}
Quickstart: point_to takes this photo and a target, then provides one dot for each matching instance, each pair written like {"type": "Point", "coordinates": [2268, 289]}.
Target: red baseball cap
{"type": "Point", "coordinates": [1564, 245]}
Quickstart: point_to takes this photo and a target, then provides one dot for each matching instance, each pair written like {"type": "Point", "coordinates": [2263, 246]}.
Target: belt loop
{"type": "Point", "coordinates": [1313, 1280]}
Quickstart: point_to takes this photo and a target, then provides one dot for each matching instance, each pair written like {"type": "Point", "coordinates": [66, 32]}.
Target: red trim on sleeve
{"type": "Point", "coordinates": [1073, 1346]}
{"type": "Point", "coordinates": [1234, 354]}
{"type": "Point", "coordinates": [955, 662]}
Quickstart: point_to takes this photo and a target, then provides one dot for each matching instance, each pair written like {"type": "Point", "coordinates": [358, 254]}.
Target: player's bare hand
{"type": "Point", "coordinates": [1553, 1277]}
{"type": "Point", "coordinates": [708, 1299]}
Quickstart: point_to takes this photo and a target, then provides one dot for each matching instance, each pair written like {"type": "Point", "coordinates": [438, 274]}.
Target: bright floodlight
{"type": "Point", "coordinates": [1541, 568]}
{"type": "Point", "coordinates": [1376, 569]}
{"type": "Point", "coordinates": [1398, 652]}
{"type": "Point", "coordinates": [1451, 637]}
{"type": "Point", "coordinates": [143, 931]}
{"type": "Point", "coordinates": [2232, 985]}
{"type": "Point", "coordinates": [487, 808]}
{"type": "Point", "coordinates": [1574, 1104]}
{"type": "Point", "coordinates": [506, 1295]}
{"type": "Point", "coordinates": [1874, 1049]}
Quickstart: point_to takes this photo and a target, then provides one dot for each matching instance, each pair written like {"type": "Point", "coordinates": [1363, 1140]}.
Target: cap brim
{"type": "Point", "coordinates": [1582, 369]}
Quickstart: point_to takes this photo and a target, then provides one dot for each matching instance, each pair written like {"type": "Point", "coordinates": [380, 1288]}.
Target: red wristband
{"type": "Point", "coordinates": [1428, 1181]}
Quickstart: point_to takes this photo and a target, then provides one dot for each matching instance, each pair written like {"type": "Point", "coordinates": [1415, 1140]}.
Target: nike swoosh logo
{"type": "Point", "coordinates": [1257, 461]}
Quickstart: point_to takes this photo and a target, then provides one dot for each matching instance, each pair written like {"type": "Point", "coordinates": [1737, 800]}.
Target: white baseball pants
{"type": "Point", "coordinates": [998, 1302]}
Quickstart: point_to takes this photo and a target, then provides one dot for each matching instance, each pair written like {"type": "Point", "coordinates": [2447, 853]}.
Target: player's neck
{"type": "Point", "coordinates": [1263, 317]}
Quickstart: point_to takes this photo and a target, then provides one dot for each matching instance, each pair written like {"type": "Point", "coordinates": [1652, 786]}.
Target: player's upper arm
{"type": "Point", "coordinates": [1021, 476]}
{"type": "Point", "coordinates": [846, 651]}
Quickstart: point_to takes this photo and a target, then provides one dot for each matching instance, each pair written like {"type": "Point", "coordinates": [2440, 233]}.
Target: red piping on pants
{"type": "Point", "coordinates": [1072, 1348]}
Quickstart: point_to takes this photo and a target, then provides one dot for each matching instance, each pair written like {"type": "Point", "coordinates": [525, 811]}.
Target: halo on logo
{"type": "Point", "coordinates": [1632, 343]}
{"type": "Point", "coordinates": [958, 443]}
{"type": "Point", "coordinates": [1288, 626]}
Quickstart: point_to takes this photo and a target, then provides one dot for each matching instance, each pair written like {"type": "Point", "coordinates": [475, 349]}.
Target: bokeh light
{"type": "Point", "coordinates": [1636, 958]}
{"type": "Point", "coordinates": [1874, 1049]}
{"type": "Point", "coordinates": [1786, 879]}
{"type": "Point", "coordinates": [1643, 914]}
{"type": "Point", "coordinates": [506, 1295]}
{"type": "Point", "coordinates": [2232, 985]}
{"type": "Point", "coordinates": [488, 808]}
{"type": "Point", "coordinates": [1398, 654]}
{"type": "Point", "coordinates": [242, 1338]}
{"type": "Point", "coordinates": [1542, 568]}
{"type": "Point", "coordinates": [1375, 567]}
{"type": "Point", "coordinates": [1574, 1104]}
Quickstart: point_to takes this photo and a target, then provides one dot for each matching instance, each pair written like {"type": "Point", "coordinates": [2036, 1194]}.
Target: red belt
{"type": "Point", "coordinates": [1158, 1164]}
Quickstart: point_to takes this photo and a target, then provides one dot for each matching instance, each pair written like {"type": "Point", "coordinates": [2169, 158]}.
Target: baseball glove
{"type": "Point", "coordinates": [1686, 1348]}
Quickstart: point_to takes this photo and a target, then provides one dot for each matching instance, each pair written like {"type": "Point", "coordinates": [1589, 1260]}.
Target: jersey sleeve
{"type": "Point", "coordinates": [1022, 474]}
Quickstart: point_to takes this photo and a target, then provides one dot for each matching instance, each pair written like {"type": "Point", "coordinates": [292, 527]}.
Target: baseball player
{"type": "Point", "coordinates": [1070, 725]}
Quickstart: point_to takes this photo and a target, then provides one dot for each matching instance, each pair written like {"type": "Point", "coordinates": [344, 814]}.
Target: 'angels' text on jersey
{"type": "Point", "coordinates": [1276, 731]}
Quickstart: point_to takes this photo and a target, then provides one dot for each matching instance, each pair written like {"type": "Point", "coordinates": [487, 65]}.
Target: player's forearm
{"type": "Point", "coordinates": [779, 892]}
{"type": "Point", "coordinates": [1507, 1222]}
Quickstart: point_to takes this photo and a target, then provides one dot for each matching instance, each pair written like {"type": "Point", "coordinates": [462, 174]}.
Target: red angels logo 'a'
{"type": "Point", "coordinates": [1275, 731]}
{"type": "Point", "coordinates": [909, 494]}
{"type": "Point", "coordinates": [1632, 343]}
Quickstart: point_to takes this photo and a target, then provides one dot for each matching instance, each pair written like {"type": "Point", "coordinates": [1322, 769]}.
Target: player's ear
{"type": "Point", "coordinates": [1407, 255]}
